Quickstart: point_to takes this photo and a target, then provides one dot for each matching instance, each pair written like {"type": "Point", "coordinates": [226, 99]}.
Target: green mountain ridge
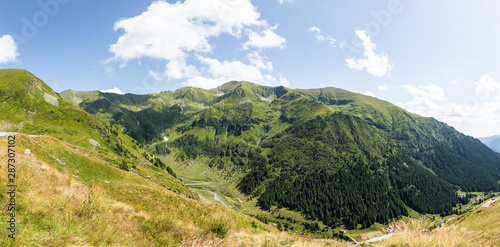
{"type": "Point", "coordinates": [284, 147]}
{"type": "Point", "coordinates": [86, 183]}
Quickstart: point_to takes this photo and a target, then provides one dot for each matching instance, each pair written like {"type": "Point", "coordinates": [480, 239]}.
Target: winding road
{"type": "Point", "coordinates": [488, 203]}
{"type": "Point", "coordinates": [216, 197]}
{"type": "Point", "coordinates": [200, 182]}
{"type": "Point", "coordinates": [192, 180]}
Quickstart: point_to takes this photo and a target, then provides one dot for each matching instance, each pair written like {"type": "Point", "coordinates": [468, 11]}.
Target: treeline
{"type": "Point", "coordinates": [354, 195]}
{"type": "Point", "coordinates": [337, 169]}
{"type": "Point", "coordinates": [419, 188]}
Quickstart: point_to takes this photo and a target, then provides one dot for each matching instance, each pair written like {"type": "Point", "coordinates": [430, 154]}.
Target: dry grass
{"type": "Point", "coordinates": [448, 235]}
{"type": "Point", "coordinates": [245, 238]}
{"type": "Point", "coordinates": [56, 208]}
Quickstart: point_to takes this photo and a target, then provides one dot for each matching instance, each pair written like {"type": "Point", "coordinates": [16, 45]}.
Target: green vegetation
{"type": "Point", "coordinates": [332, 156]}
{"type": "Point", "coordinates": [83, 200]}
{"type": "Point", "coordinates": [90, 184]}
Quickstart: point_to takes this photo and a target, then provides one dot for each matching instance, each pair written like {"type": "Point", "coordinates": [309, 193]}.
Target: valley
{"type": "Point", "coordinates": [287, 156]}
{"type": "Point", "coordinates": [241, 164]}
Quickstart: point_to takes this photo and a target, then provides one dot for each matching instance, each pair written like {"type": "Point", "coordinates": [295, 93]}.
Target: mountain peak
{"type": "Point", "coordinates": [228, 86]}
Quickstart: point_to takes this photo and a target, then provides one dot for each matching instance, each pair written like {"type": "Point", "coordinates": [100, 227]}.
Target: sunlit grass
{"type": "Point", "coordinates": [58, 206]}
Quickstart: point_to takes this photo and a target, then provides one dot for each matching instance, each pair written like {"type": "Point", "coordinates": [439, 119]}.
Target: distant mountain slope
{"type": "Point", "coordinates": [493, 142]}
{"type": "Point", "coordinates": [144, 117]}
{"type": "Point", "coordinates": [285, 146]}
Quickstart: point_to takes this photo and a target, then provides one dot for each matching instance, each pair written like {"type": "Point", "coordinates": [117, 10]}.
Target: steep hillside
{"type": "Point", "coordinates": [82, 182]}
{"type": "Point", "coordinates": [327, 154]}
{"type": "Point", "coordinates": [69, 195]}
{"type": "Point", "coordinates": [30, 106]}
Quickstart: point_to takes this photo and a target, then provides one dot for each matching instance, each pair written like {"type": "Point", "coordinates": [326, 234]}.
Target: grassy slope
{"type": "Point", "coordinates": [70, 194]}
{"type": "Point", "coordinates": [479, 227]}
{"type": "Point", "coordinates": [53, 207]}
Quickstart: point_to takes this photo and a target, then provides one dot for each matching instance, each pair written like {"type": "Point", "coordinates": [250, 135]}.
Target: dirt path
{"type": "Point", "coordinates": [6, 134]}
{"type": "Point", "coordinates": [380, 238]}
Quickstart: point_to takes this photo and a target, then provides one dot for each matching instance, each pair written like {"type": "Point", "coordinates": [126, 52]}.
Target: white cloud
{"type": "Point", "coordinates": [169, 31]}
{"type": "Point", "coordinates": [314, 29]}
{"type": "Point", "coordinates": [368, 93]}
{"type": "Point", "coordinates": [8, 49]}
{"type": "Point", "coordinates": [486, 87]}
{"type": "Point", "coordinates": [320, 37]}
{"type": "Point", "coordinates": [384, 87]}
{"type": "Point", "coordinates": [432, 92]}
{"type": "Point", "coordinates": [377, 65]}
{"type": "Point", "coordinates": [218, 72]}
{"type": "Point", "coordinates": [259, 62]}
{"type": "Point", "coordinates": [284, 82]}
{"type": "Point", "coordinates": [232, 71]}
{"type": "Point", "coordinates": [266, 39]}
{"type": "Point", "coordinates": [182, 33]}
{"type": "Point", "coordinates": [477, 114]}
{"type": "Point", "coordinates": [285, 1]}
{"type": "Point", "coordinates": [112, 90]}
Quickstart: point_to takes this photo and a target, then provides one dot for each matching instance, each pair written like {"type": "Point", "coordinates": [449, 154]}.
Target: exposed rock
{"type": "Point", "coordinates": [51, 99]}
{"type": "Point", "coordinates": [182, 105]}
{"type": "Point", "coordinates": [27, 152]}
{"type": "Point", "coordinates": [244, 101]}
{"type": "Point", "coordinates": [94, 143]}
{"type": "Point", "coordinates": [58, 160]}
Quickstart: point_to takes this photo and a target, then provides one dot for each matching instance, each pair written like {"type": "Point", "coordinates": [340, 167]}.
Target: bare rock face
{"type": "Point", "coordinates": [94, 143]}
{"type": "Point", "coordinates": [244, 101]}
{"type": "Point", "coordinates": [51, 99]}
{"type": "Point", "coordinates": [182, 105]}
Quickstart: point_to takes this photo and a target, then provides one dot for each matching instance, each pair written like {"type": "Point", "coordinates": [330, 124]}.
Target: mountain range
{"type": "Point", "coordinates": [493, 142]}
{"type": "Point", "coordinates": [82, 182]}
{"type": "Point", "coordinates": [306, 161]}
{"type": "Point", "coordinates": [337, 157]}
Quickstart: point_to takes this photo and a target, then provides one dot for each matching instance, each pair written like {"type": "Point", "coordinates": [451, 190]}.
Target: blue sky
{"type": "Point", "coordinates": [434, 58]}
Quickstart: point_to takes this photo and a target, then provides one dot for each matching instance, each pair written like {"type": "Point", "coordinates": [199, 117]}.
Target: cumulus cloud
{"type": "Point", "coordinates": [218, 72]}
{"type": "Point", "coordinates": [376, 65]}
{"type": "Point", "coordinates": [486, 87]}
{"type": "Point", "coordinates": [234, 70]}
{"type": "Point", "coordinates": [8, 49]}
{"type": "Point", "coordinates": [183, 34]}
{"type": "Point", "coordinates": [368, 93]}
{"type": "Point", "coordinates": [285, 1]}
{"type": "Point", "coordinates": [259, 61]}
{"type": "Point", "coordinates": [265, 39]}
{"type": "Point", "coordinates": [320, 37]}
{"type": "Point", "coordinates": [477, 114]}
{"type": "Point", "coordinates": [384, 87]}
{"type": "Point", "coordinates": [432, 92]}
{"type": "Point", "coordinates": [112, 90]}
